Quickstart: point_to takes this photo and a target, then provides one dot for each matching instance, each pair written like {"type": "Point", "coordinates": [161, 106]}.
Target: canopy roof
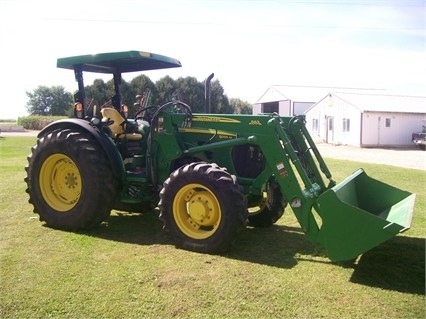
{"type": "Point", "coordinates": [112, 62]}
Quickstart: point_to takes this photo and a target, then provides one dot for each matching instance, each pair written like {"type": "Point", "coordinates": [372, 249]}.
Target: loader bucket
{"type": "Point", "coordinates": [360, 213]}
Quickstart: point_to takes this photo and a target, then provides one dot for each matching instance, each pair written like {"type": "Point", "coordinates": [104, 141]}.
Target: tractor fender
{"type": "Point", "coordinates": [104, 140]}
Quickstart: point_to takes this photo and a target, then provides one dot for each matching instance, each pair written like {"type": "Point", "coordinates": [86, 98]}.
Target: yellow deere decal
{"type": "Point", "coordinates": [220, 134]}
{"type": "Point", "coordinates": [215, 119]}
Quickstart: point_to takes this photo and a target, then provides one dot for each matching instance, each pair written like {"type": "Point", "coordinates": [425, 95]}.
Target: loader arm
{"type": "Point", "coordinates": [291, 161]}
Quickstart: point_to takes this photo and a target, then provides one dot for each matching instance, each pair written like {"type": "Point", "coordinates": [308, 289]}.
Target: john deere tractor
{"type": "Point", "coordinates": [209, 174]}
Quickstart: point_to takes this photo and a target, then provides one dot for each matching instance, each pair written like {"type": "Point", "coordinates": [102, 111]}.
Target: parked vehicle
{"type": "Point", "coordinates": [419, 138]}
{"type": "Point", "coordinates": [209, 174]}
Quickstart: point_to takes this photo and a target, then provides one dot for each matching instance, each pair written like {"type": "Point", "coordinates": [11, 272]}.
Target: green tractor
{"type": "Point", "coordinates": [209, 174]}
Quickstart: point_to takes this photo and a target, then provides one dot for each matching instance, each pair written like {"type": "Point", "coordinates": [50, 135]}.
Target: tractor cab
{"type": "Point", "coordinates": [114, 63]}
{"type": "Point", "coordinates": [129, 134]}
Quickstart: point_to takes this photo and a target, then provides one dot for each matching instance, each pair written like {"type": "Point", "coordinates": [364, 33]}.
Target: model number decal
{"type": "Point", "coordinates": [255, 122]}
{"type": "Point", "coordinates": [216, 119]}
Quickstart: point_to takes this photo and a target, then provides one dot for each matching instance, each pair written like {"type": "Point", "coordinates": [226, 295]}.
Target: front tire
{"type": "Point", "coordinates": [269, 209]}
{"type": "Point", "coordinates": [203, 207]}
{"type": "Point", "coordinates": [69, 180]}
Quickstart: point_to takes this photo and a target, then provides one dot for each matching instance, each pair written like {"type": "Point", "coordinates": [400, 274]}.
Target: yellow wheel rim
{"type": "Point", "coordinates": [196, 211]}
{"type": "Point", "coordinates": [253, 210]}
{"type": "Point", "coordinates": [60, 182]}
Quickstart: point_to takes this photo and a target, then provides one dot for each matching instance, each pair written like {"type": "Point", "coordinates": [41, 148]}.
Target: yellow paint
{"type": "Point", "coordinates": [219, 133]}
{"type": "Point", "coordinates": [60, 182]}
{"type": "Point", "coordinates": [196, 211]}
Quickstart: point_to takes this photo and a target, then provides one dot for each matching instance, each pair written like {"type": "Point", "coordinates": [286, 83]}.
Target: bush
{"type": "Point", "coordinates": [35, 122]}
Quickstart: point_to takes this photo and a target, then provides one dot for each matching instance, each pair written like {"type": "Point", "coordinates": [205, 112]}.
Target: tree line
{"type": "Point", "coordinates": [56, 101]}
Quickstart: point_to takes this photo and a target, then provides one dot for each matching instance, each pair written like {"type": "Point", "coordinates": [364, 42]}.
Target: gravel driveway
{"type": "Point", "coordinates": [409, 158]}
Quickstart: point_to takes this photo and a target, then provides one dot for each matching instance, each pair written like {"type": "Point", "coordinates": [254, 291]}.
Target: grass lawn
{"type": "Point", "coordinates": [129, 268]}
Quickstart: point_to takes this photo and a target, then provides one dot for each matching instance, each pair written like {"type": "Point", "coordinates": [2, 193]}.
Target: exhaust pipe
{"type": "Point", "coordinates": [207, 93]}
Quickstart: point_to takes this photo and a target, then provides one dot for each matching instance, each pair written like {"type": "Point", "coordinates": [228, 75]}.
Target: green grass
{"type": "Point", "coordinates": [129, 268]}
{"type": "Point", "coordinates": [7, 121]}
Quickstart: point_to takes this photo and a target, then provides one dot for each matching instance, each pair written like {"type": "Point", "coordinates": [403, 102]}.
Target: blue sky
{"type": "Point", "coordinates": [248, 44]}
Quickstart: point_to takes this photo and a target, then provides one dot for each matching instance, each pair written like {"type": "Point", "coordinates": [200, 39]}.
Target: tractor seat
{"type": "Point", "coordinates": [118, 125]}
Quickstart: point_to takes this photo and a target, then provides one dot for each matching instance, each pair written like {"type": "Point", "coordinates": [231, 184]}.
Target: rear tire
{"type": "Point", "coordinates": [203, 207]}
{"type": "Point", "coordinates": [69, 180]}
{"type": "Point", "coordinates": [269, 209]}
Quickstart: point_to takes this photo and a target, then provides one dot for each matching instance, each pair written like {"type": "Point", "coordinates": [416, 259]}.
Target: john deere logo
{"type": "Point", "coordinates": [255, 122]}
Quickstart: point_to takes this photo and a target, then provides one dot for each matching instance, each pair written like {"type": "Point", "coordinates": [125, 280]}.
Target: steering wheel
{"type": "Point", "coordinates": [146, 113]}
{"type": "Point", "coordinates": [175, 106]}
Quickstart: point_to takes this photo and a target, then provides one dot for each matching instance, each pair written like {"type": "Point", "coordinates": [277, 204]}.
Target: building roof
{"type": "Point", "coordinates": [300, 93]}
{"type": "Point", "coordinates": [383, 102]}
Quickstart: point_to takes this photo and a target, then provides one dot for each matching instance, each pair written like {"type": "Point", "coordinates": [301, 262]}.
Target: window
{"type": "Point", "coordinates": [346, 125]}
{"type": "Point", "coordinates": [315, 125]}
{"type": "Point", "coordinates": [271, 107]}
{"type": "Point", "coordinates": [388, 122]}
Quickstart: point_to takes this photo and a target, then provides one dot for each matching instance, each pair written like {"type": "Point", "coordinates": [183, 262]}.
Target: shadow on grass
{"type": "Point", "coordinates": [398, 264]}
{"type": "Point", "coordinates": [138, 228]}
{"type": "Point", "coordinates": [276, 246]}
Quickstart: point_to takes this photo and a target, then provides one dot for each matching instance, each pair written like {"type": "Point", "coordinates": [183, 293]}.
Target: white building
{"type": "Point", "coordinates": [290, 100]}
{"type": "Point", "coordinates": [366, 120]}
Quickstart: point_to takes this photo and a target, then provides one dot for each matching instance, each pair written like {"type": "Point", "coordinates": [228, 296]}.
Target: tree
{"type": "Point", "coordinates": [49, 101]}
{"type": "Point", "coordinates": [138, 86]}
{"type": "Point", "coordinates": [191, 92]}
{"type": "Point", "coordinates": [166, 86]}
{"type": "Point", "coordinates": [188, 90]}
{"type": "Point", "coordinates": [141, 83]}
{"type": "Point", "coordinates": [99, 92]}
{"type": "Point", "coordinates": [240, 107]}
{"type": "Point", "coordinates": [219, 101]}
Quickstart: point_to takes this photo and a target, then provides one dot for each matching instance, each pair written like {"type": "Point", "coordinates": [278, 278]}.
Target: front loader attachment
{"type": "Point", "coordinates": [361, 213]}
{"type": "Point", "coordinates": [356, 215]}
